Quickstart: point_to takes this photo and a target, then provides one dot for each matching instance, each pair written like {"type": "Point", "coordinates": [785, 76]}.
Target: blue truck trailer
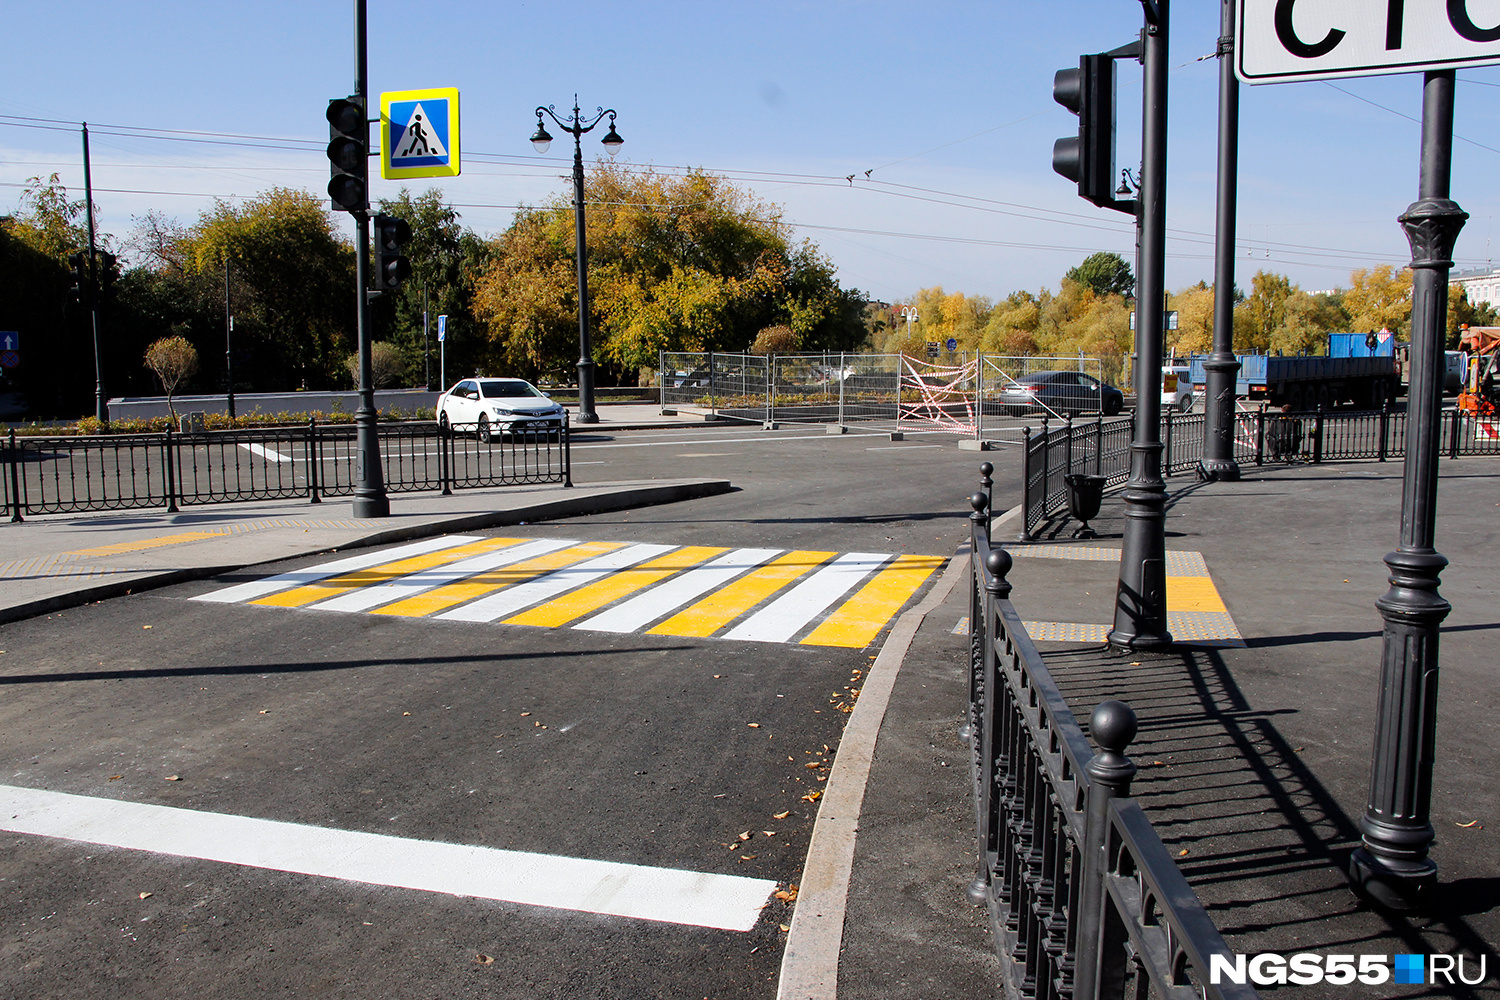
{"type": "Point", "coordinates": [1359, 368]}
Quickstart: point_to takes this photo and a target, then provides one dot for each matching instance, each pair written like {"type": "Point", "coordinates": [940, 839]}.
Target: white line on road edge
{"type": "Point", "coordinates": [264, 452]}
{"type": "Point", "coordinates": [699, 899]}
{"type": "Point", "coordinates": [810, 963]}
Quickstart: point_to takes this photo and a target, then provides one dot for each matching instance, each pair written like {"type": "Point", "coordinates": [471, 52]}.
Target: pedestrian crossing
{"type": "Point", "coordinates": [807, 597]}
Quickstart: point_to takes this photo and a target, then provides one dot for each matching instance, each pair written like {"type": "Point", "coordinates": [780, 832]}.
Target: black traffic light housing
{"type": "Point", "coordinates": [348, 154]}
{"type": "Point", "coordinates": [78, 276]}
{"type": "Point", "coordinates": [391, 235]}
{"type": "Point", "coordinates": [1089, 158]}
{"type": "Point", "coordinates": [108, 273]}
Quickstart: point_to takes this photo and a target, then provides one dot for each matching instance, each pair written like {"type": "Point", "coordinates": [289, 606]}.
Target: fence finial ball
{"type": "Point", "coordinates": [1113, 726]}
{"type": "Point", "coordinates": [998, 562]}
{"type": "Point", "coordinates": [979, 502]}
{"type": "Point", "coordinates": [986, 469]}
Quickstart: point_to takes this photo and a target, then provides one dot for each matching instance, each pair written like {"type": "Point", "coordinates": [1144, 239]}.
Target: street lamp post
{"type": "Point", "coordinates": [577, 126]}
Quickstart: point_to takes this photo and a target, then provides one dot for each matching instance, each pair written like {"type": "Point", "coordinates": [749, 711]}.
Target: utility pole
{"type": "Point", "coordinates": [1220, 366]}
{"type": "Point", "coordinates": [101, 407]}
{"type": "Point", "coordinates": [426, 355]}
{"type": "Point", "coordinates": [370, 498]}
{"type": "Point", "coordinates": [228, 343]}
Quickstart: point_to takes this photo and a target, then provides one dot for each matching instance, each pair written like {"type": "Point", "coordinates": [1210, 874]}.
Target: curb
{"type": "Point", "coordinates": [810, 960]}
{"type": "Point", "coordinates": [645, 496]}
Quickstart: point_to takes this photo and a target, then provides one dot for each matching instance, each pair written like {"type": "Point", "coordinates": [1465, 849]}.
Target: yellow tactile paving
{"type": "Point", "coordinates": [862, 617]}
{"type": "Point", "coordinates": [1193, 593]}
{"type": "Point", "coordinates": [613, 587]}
{"type": "Point", "coordinates": [147, 543]}
{"type": "Point", "coordinates": [723, 606]}
{"type": "Point", "coordinates": [442, 598]}
{"type": "Point", "coordinates": [324, 589]}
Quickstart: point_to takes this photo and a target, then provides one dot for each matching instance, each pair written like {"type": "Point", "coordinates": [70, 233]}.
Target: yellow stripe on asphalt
{"type": "Point", "coordinates": [612, 588]}
{"type": "Point", "coordinates": [861, 618]}
{"type": "Point", "coordinates": [723, 606]}
{"type": "Point", "coordinates": [1193, 593]}
{"type": "Point", "coordinates": [324, 589]}
{"type": "Point", "coordinates": [147, 543]}
{"type": "Point", "coordinates": [441, 598]}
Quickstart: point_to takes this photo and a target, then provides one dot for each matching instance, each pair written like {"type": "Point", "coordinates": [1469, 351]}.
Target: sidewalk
{"type": "Point", "coordinates": [1254, 755]}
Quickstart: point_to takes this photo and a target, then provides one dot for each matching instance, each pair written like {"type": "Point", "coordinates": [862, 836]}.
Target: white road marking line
{"type": "Point", "coordinates": [785, 616]}
{"type": "Point", "coordinates": [903, 447]}
{"type": "Point", "coordinates": [513, 599]}
{"type": "Point", "coordinates": [668, 895]}
{"type": "Point", "coordinates": [672, 594]}
{"type": "Point", "coordinates": [365, 598]}
{"type": "Point", "coordinates": [322, 571]}
{"type": "Point", "coordinates": [264, 452]}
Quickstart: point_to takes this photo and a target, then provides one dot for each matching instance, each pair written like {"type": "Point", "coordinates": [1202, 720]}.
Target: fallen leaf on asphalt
{"type": "Point", "coordinates": [745, 836]}
{"type": "Point", "coordinates": [1182, 853]}
{"type": "Point", "coordinates": [813, 763]}
{"type": "Point", "coordinates": [265, 711]}
{"type": "Point", "coordinates": [717, 676]}
{"type": "Point", "coordinates": [753, 725]}
{"type": "Point", "coordinates": [812, 796]}
{"type": "Point", "coordinates": [116, 777]}
{"type": "Point", "coordinates": [1469, 825]}
{"type": "Point", "coordinates": [785, 928]}
{"type": "Point", "coordinates": [484, 959]}
{"type": "Point", "coordinates": [145, 895]}
{"type": "Point", "coordinates": [787, 895]}
{"type": "Point", "coordinates": [524, 714]}
{"type": "Point", "coordinates": [173, 777]}
{"type": "Point", "coordinates": [1135, 663]}
{"type": "Point", "coordinates": [781, 815]}
{"type": "Point", "coordinates": [145, 626]}
{"type": "Point", "coordinates": [748, 857]}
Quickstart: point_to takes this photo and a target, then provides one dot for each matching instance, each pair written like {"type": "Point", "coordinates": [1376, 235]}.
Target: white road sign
{"type": "Point", "coordinates": [1280, 41]}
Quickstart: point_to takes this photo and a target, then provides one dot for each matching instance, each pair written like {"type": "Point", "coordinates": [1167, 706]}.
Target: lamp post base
{"type": "Point", "coordinates": [1218, 470]}
{"type": "Point", "coordinates": [1402, 887]}
{"type": "Point", "coordinates": [586, 418]}
{"type": "Point", "coordinates": [372, 506]}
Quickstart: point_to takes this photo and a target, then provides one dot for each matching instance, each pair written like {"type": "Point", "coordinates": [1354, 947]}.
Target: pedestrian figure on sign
{"type": "Point", "coordinates": [416, 134]}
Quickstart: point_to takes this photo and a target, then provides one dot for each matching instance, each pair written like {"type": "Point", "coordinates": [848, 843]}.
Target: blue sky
{"type": "Point", "coordinates": [948, 104]}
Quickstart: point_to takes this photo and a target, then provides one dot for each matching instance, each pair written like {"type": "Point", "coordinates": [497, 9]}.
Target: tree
{"type": "Point", "coordinates": [172, 359]}
{"type": "Point", "coordinates": [1263, 311]}
{"type": "Point", "coordinates": [1195, 320]}
{"type": "Point", "coordinates": [1379, 299]}
{"type": "Point", "coordinates": [1106, 273]}
{"type": "Point", "coordinates": [675, 263]}
{"type": "Point", "coordinates": [387, 365]}
{"type": "Point", "coordinates": [778, 339]}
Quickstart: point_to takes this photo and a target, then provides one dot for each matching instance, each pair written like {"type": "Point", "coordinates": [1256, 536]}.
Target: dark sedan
{"type": "Point", "coordinates": [1059, 393]}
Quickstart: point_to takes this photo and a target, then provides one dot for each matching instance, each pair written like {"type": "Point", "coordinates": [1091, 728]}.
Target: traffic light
{"type": "Point", "coordinates": [391, 234]}
{"type": "Point", "coordinates": [348, 140]}
{"type": "Point", "coordinates": [1089, 159]}
{"type": "Point", "coordinates": [78, 275]}
{"type": "Point", "coordinates": [108, 273]}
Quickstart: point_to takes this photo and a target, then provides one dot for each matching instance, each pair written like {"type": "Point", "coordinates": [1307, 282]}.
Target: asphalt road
{"type": "Point", "coordinates": [642, 750]}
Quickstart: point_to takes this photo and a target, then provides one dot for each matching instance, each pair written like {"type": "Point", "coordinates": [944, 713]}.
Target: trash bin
{"type": "Point", "coordinates": [1085, 494]}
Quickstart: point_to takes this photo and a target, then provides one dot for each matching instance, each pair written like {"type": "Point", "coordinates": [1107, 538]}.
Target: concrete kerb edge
{"type": "Point", "coordinates": [648, 496]}
{"type": "Point", "coordinates": [810, 960]}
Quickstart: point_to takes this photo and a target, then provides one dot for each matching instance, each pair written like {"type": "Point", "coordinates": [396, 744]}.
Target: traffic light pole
{"type": "Point", "coordinates": [370, 498]}
{"type": "Point", "coordinates": [1141, 596]}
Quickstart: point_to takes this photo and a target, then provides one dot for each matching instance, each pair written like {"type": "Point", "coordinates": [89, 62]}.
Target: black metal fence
{"type": "Point", "coordinates": [1085, 901]}
{"type": "Point", "coordinates": [58, 475]}
{"type": "Point", "coordinates": [1102, 447]}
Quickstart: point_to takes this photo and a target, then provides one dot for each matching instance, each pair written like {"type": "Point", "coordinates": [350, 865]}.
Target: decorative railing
{"type": "Point", "coordinates": [56, 475]}
{"type": "Point", "coordinates": [1085, 902]}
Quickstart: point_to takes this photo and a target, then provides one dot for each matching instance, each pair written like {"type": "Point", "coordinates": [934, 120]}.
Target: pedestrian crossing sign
{"type": "Point", "coordinates": [419, 133]}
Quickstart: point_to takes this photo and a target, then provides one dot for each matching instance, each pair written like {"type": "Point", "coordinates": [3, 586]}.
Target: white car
{"type": "Point", "coordinates": [489, 406]}
{"type": "Point", "coordinates": [1176, 388]}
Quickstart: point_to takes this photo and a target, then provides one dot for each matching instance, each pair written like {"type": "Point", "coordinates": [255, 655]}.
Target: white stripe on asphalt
{"type": "Point", "coordinates": [365, 598]}
{"type": "Point", "coordinates": [264, 452]}
{"type": "Point", "coordinates": [513, 599]}
{"type": "Point", "coordinates": [783, 617]}
{"type": "Point", "coordinates": [667, 597]}
{"type": "Point", "coordinates": [322, 571]}
{"type": "Point", "coordinates": [669, 895]}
